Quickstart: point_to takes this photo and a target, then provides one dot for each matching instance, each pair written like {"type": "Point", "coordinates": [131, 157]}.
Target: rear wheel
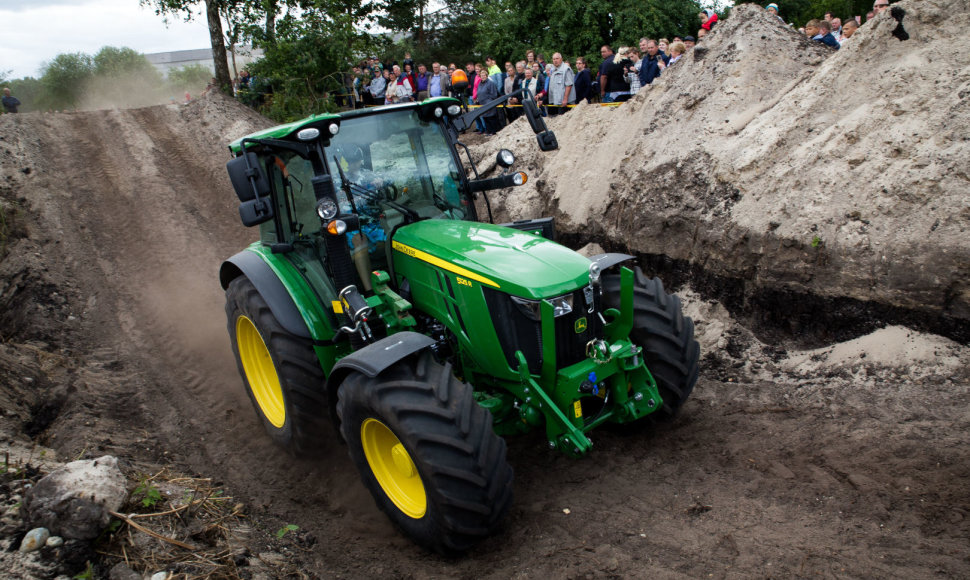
{"type": "Point", "coordinates": [281, 372]}
{"type": "Point", "coordinates": [427, 452]}
{"type": "Point", "coordinates": [666, 336]}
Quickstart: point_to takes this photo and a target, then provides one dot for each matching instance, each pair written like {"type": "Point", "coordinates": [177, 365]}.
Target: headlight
{"type": "Point", "coordinates": [532, 309]}
{"type": "Point", "coordinates": [308, 134]}
{"type": "Point", "coordinates": [562, 305]}
{"type": "Point", "coordinates": [337, 227]}
{"type": "Point", "coordinates": [334, 128]}
{"type": "Point", "coordinates": [438, 112]}
{"type": "Point", "coordinates": [505, 158]}
{"type": "Point", "coordinates": [327, 208]}
{"type": "Point", "coordinates": [454, 110]}
{"type": "Point", "coordinates": [529, 308]}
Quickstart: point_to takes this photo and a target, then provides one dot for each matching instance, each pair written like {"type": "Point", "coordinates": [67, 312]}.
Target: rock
{"type": "Point", "coordinates": [34, 539]}
{"type": "Point", "coordinates": [122, 572]}
{"type": "Point", "coordinates": [74, 500]}
{"type": "Point", "coordinates": [160, 576]}
{"type": "Point", "coordinates": [54, 542]}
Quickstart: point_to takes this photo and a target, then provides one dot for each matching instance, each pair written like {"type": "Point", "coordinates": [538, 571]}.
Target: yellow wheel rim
{"type": "Point", "coordinates": [393, 468]}
{"type": "Point", "coordinates": [260, 372]}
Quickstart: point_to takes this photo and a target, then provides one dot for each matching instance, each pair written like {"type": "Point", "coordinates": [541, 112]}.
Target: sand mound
{"type": "Point", "coordinates": [767, 165]}
{"type": "Point", "coordinates": [891, 347]}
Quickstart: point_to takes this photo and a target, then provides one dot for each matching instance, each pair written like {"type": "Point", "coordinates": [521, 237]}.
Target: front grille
{"type": "Point", "coordinates": [516, 331]}
{"type": "Point", "coordinates": [571, 345]}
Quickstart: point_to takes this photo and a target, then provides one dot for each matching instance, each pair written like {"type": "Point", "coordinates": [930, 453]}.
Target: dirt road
{"type": "Point", "coordinates": [781, 465]}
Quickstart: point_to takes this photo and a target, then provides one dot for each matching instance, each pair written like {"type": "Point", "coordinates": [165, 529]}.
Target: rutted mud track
{"type": "Point", "coordinates": [849, 471]}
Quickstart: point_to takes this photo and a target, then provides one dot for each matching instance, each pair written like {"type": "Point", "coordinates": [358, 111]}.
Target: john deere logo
{"type": "Point", "coordinates": [580, 325]}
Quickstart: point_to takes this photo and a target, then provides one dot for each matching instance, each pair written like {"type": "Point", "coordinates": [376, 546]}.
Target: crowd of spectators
{"type": "Point", "coordinates": [555, 85]}
{"type": "Point", "coordinates": [831, 30]}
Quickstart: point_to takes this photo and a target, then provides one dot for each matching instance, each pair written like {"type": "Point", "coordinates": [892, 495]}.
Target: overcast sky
{"type": "Point", "coordinates": [35, 31]}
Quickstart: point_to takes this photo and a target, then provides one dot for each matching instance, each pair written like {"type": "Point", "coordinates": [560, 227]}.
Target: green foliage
{"type": "Point", "coordinates": [817, 241]}
{"type": "Point", "coordinates": [192, 78]}
{"type": "Point", "coordinates": [286, 529]}
{"type": "Point", "coordinates": [64, 79]}
{"type": "Point", "coordinates": [150, 494]}
{"type": "Point", "coordinates": [303, 71]}
{"type": "Point", "coordinates": [117, 62]}
{"type": "Point", "coordinates": [579, 27]}
{"type": "Point", "coordinates": [87, 574]}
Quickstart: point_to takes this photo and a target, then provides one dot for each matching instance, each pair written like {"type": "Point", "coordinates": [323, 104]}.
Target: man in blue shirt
{"type": "Point", "coordinates": [10, 102]}
{"type": "Point", "coordinates": [439, 83]}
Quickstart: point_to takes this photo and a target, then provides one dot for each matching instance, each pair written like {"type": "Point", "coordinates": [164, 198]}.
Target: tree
{"type": "Point", "coordinates": [299, 74]}
{"type": "Point", "coordinates": [64, 79]}
{"type": "Point", "coordinates": [188, 78]}
{"type": "Point", "coordinates": [116, 62]}
{"type": "Point", "coordinates": [212, 8]}
{"type": "Point", "coordinates": [579, 27]}
{"type": "Point", "coordinates": [407, 16]}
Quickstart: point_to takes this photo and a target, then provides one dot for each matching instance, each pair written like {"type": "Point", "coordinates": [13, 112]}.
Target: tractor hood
{"type": "Point", "coordinates": [515, 262]}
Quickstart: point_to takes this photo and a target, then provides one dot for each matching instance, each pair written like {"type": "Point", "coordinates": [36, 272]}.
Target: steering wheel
{"type": "Point", "coordinates": [389, 191]}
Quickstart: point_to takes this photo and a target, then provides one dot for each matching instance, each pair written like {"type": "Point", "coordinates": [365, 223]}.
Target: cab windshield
{"type": "Point", "coordinates": [398, 157]}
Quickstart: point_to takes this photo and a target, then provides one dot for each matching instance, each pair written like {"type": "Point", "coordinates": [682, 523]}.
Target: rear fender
{"type": "Point", "coordinates": [270, 287]}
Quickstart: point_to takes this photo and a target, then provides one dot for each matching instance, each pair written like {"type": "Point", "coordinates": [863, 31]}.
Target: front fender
{"type": "Point", "coordinates": [375, 358]}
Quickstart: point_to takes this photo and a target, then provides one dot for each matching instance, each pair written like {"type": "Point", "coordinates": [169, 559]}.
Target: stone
{"type": "Point", "coordinates": [54, 542]}
{"type": "Point", "coordinates": [160, 576]}
{"type": "Point", "coordinates": [75, 500]}
{"type": "Point", "coordinates": [120, 571]}
{"type": "Point", "coordinates": [34, 539]}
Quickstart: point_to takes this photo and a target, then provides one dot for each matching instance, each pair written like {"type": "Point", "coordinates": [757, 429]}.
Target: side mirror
{"type": "Point", "coordinates": [248, 177]}
{"type": "Point", "coordinates": [256, 211]}
{"type": "Point", "coordinates": [547, 141]}
{"type": "Point", "coordinates": [532, 114]}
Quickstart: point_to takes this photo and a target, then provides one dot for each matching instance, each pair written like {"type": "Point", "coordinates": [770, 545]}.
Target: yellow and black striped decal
{"type": "Point", "coordinates": [426, 257]}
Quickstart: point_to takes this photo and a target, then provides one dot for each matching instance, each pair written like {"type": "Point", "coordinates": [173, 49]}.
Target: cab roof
{"type": "Point", "coordinates": [323, 120]}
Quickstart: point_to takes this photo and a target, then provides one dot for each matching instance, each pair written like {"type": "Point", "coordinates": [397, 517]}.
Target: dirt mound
{"type": "Point", "coordinates": [772, 170]}
{"type": "Point", "coordinates": [785, 463]}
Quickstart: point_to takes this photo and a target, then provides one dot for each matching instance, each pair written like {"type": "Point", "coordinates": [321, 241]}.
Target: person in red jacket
{"type": "Point", "coordinates": [708, 19]}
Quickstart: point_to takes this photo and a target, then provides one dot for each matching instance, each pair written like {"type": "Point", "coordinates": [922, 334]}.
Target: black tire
{"type": "Point", "coordinates": [455, 486]}
{"type": "Point", "coordinates": [290, 401]}
{"type": "Point", "coordinates": [666, 336]}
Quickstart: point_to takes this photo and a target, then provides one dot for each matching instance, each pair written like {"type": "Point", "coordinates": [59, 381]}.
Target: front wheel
{"type": "Point", "coordinates": [665, 334]}
{"type": "Point", "coordinates": [283, 377]}
{"type": "Point", "coordinates": [427, 452]}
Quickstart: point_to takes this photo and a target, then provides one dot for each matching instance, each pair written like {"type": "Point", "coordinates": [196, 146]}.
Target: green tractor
{"type": "Point", "coordinates": [376, 302]}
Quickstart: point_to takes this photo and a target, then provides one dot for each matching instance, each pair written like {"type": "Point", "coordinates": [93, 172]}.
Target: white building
{"type": "Point", "coordinates": [166, 61]}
